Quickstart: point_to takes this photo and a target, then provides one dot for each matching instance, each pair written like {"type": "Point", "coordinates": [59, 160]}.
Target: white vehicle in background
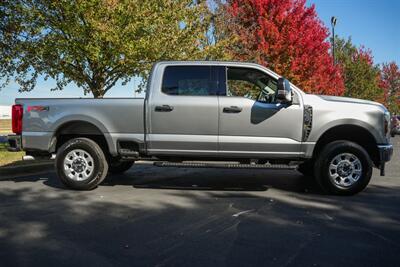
{"type": "Point", "coordinates": [5, 112]}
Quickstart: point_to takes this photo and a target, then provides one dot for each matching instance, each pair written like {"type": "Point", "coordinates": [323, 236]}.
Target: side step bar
{"type": "Point", "coordinates": [30, 157]}
{"type": "Point", "coordinates": [225, 165]}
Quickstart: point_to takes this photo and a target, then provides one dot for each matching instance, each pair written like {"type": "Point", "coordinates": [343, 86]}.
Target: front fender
{"type": "Point", "coordinates": [317, 133]}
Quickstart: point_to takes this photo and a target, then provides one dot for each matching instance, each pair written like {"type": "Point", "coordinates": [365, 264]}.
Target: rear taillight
{"type": "Point", "coordinates": [17, 113]}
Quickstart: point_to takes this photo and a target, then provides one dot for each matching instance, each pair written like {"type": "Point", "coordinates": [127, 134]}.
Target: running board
{"type": "Point", "coordinates": [224, 165]}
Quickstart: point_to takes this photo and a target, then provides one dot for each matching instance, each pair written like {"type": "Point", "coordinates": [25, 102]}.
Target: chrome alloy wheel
{"type": "Point", "coordinates": [345, 169]}
{"type": "Point", "coordinates": [78, 165]}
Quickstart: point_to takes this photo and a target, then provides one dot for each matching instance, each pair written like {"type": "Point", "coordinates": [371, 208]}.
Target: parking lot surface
{"type": "Point", "coordinates": [154, 216]}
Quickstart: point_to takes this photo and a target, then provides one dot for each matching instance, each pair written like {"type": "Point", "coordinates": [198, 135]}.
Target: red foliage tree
{"type": "Point", "coordinates": [287, 37]}
{"type": "Point", "coordinates": [390, 83]}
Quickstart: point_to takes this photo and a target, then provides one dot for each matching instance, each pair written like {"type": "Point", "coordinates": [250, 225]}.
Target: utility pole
{"type": "Point", "coordinates": [333, 23]}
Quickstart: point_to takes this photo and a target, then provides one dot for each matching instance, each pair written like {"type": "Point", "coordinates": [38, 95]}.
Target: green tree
{"type": "Point", "coordinates": [95, 43]}
{"type": "Point", "coordinates": [361, 76]}
{"type": "Point", "coordinates": [219, 37]}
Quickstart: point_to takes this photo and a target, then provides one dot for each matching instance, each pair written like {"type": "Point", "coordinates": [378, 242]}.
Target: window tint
{"type": "Point", "coordinates": [192, 80]}
{"type": "Point", "coordinates": [252, 84]}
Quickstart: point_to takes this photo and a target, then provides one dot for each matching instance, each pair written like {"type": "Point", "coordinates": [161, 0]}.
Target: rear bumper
{"type": "Point", "coordinates": [14, 143]}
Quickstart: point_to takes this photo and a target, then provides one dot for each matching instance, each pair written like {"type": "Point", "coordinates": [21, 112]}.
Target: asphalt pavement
{"type": "Point", "coordinates": [154, 216]}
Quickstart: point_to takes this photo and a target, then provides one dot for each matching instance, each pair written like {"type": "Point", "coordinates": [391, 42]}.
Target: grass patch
{"type": "Point", "coordinates": [5, 127]}
{"type": "Point", "coordinates": [10, 158]}
{"type": "Point", "coordinates": [6, 157]}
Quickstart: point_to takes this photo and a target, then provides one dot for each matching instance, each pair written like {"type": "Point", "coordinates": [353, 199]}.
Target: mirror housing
{"type": "Point", "coordinates": [284, 93]}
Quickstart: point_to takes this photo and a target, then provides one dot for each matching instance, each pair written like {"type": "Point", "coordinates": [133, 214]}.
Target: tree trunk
{"type": "Point", "coordinates": [97, 85]}
{"type": "Point", "coordinates": [98, 92]}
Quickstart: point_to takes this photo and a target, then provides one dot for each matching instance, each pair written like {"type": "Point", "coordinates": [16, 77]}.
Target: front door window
{"type": "Point", "coordinates": [252, 84]}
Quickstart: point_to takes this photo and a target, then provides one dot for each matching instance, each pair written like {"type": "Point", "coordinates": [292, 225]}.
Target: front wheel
{"type": "Point", "coordinates": [81, 164]}
{"type": "Point", "coordinates": [343, 168]}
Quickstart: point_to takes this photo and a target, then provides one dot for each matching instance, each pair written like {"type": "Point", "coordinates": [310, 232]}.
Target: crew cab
{"type": "Point", "coordinates": [209, 114]}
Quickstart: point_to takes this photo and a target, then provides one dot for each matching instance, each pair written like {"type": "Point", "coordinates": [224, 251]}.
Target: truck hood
{"type": "Point", "coordinates": [350, 100]}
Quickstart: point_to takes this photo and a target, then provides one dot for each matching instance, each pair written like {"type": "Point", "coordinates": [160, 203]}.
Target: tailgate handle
{"type": "Point", "coordinates": [232, 109]}
{"type": "Point", "coordinates": [164, 108]}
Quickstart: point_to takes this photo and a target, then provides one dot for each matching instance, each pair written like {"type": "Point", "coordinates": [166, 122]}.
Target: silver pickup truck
{"type": "Point", "coordinates": [209, 114]}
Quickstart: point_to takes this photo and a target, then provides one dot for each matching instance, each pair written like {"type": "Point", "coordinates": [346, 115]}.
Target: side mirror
{"type": "Point", "coordinates": [284, 93]}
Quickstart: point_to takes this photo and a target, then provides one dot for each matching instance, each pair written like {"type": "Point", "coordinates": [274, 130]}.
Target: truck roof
{"type": "Point", "coordinates": [218, 63]}
{"type": "Point", "coordinates": [209, 62]}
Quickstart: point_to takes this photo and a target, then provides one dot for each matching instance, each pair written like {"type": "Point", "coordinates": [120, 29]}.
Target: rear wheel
{"type": "Point", "coordinates": [81, 164]}
{"type": "Point", "coordinates": [343, 168]}
{"type": "Point", "coordinates": [120, 166]}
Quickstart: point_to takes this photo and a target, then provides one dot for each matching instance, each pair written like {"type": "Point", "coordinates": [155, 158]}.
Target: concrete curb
{"type": "Point", "coordinates": [27, 169]}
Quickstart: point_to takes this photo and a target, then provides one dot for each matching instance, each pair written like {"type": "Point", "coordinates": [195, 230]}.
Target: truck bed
{"type": "Point", "coordinates": [112, 116]}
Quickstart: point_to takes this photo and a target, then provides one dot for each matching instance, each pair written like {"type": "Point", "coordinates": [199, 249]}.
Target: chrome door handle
{"type": "Point", "coordinates": [232, 109]}
{"type": "Point", "coordinates": [164, 108]}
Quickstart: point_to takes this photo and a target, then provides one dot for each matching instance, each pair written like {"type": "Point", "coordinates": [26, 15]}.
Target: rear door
{"type": "Point", "coordinates": [184, 111]}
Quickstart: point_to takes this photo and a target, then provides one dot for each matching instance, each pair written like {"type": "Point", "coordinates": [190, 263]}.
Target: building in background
{"type": "Point", "coordinates": [5, 112]}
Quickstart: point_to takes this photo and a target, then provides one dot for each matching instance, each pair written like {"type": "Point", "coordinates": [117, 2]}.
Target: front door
{"type": "Point", "coordinates": [252, 123]}
{"type": "Point", "coordinates": [184, 112]}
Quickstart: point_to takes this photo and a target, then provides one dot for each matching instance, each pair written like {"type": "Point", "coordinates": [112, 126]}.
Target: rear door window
{"type": "Point", "coordinates": [193, 80]}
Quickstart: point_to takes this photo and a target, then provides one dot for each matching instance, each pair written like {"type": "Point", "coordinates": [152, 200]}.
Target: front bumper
{"type": "Point", "coordinates": [14, 143]}
{"type": "Point", "coordinates": [385, 155]}
{"type": "Point", "coordinates": [385, 152]}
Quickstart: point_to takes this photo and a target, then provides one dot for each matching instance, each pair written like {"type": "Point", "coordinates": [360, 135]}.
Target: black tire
{"type": "Point", "coordinates": [117, 167]}
{"type": "Point", "coordinates": [306, 168]}
{"type": "Point", "coordinates": [326, 157]}
{"type": "Point", "coordinates": [98, 162]}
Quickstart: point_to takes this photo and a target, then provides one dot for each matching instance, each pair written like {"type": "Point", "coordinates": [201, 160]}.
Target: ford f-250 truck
{"type": "Point", "coordinates": [209, 114]}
